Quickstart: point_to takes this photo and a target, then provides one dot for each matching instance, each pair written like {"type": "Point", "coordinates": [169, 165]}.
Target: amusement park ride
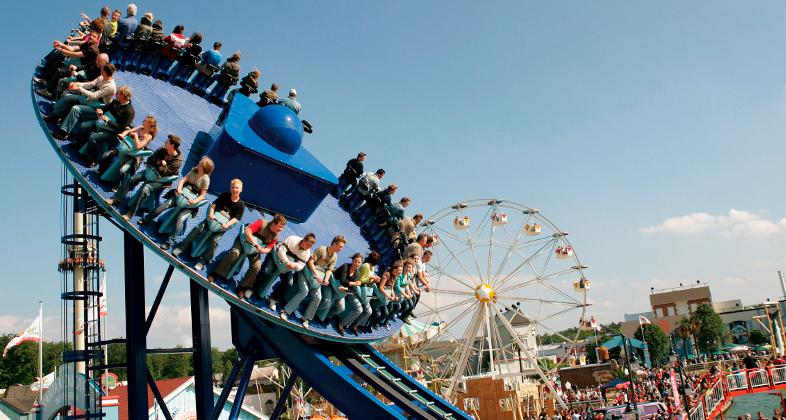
{"type": "Point", "coordinates": [502, 273]}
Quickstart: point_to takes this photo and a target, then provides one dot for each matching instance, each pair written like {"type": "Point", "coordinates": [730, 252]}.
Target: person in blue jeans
{"type": "Point", "coordinates": [80, 102]}
{"type": "Point", "coordinates": [348, 275]}
{"type": "Point", "coordinates": [312, 278]}
{"type": "Point", "coordinates": [358, 302]}
{"type": "Point", "coordinates": [197, 182]}
{"type": "Point", "coordinates": [231, 207]}
{"type": "Point", "coordinates": [163, 163]}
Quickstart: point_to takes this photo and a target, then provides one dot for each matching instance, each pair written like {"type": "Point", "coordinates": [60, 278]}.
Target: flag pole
{"type": "Point", "coordinates": [41, 352]}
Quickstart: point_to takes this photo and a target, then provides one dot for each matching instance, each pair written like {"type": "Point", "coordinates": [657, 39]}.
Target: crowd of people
{"type": "Point", "coordinates": [97, 117]}
{"type": "Point", "coordinates": [142, 45]}
{"type": "Point", "coordinates": [653, 385]}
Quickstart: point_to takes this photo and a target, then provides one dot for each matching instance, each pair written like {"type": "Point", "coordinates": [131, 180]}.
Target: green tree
{"type": "Point", "coordinates": [710, 330]}
{"type": "Point", "coordinates": [657, 342]}
{"type": "Point", "coordinates": [758, 338]}
{"type": "Point", "coordinates": [117, 354]}
{"type": "Point", "coordinates": [21, 364]}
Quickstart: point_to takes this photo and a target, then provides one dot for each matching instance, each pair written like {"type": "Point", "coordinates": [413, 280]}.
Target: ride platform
{"type": "Point", "coordinates": [193, 118]}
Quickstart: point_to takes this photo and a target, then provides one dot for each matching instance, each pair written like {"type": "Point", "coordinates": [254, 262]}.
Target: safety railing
{"type": "Point", "coordinates": [714, 397]}
{"type": "Point", "coordinates": [758, 378]}
{"type": "Point", "coordinates": [697, 413]}
{"type": "Point", "coordinates": [723, 389]}
{"type": "Point", "coordinates": [778, 375]}
{"type": "Point", "coordinates": [737, 381]}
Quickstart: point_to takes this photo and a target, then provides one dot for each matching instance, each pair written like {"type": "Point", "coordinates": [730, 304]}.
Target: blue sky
{"type": "Point", "coordinates": [611, 117]}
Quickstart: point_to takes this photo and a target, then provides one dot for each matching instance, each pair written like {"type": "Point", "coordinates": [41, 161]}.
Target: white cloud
{"type": "Point", "coordinates": [735, 223]}
{"type": "Point", "coordinates": [172, 326]}
{"type": "Point", "coordinates": [14, 324]}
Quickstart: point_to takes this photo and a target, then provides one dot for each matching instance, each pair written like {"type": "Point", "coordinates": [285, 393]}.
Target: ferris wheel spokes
{"type": "Point", "coordinates": [469, 336]}
{"type": "Point", "coordinates": [453, 258]}
{"type": "Point", "coordinates": [572, 304]}
{"type": "Point", "coordinates": [537, 280]}
{"type": "Point", "coordinates": [511, 244]}
{"type": "Point", "coordinates": [521, 266]}
{"type": "Point", "coordinates": [533, 358]}
{"type": "Point", "coordinates": [447, 307]}
{"type": "Point", "coordinates": [471, 242]}
{"type": "Point", "coordinates": [450, 276]}
{"type": "Point", "coordinates": [442, 330]}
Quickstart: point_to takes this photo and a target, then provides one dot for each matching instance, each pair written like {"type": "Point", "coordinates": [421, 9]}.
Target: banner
{"type": "Point", "coordinates": [43, 383]}
{"type": "Point", "coordinates": [675, 392]}
{"type": "Point", "coordinates": [103, 310]}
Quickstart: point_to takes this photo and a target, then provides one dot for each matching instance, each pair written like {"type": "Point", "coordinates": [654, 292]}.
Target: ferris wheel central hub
{"type": "Point", "coordinates": [485, 293]}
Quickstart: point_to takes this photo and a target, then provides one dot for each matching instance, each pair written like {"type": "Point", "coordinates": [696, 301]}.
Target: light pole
{"type": "Point", "coordinates": [679, 372]}
{"type": "Point", "coordinates": [631, 388]}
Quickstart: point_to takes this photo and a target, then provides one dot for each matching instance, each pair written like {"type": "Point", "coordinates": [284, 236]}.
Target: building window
{"type": "Point", "coordinates": [506, 404]}
{"type": "Point", "coordinates": [471, 404]}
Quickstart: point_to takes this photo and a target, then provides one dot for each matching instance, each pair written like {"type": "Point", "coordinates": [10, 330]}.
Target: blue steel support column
{"type": "Point", "coordinates": [282, 400]}
{"type": "Point", "coordinates": [240, 395]}
{"type": "Point", "coordinates": [203, 358]}
{"type": "Point", "coordinates": [136, 331]}
{"type": "Point", "coordinates": [229, 382]}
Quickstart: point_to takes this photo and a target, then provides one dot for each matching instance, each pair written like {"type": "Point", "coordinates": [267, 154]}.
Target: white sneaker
{"type": "Point", "coordinates": [305, 323]}
{"type": "Point", "coordinates": [177, 251]}
{"type": "Point", "coordinates": [272, 305]}
{"type": "Point", "coordinates": [248, 293]}
{"type": "Point", "coordinates": [283, 315]}
{"type": "Point", "coordinates": [199, 266]}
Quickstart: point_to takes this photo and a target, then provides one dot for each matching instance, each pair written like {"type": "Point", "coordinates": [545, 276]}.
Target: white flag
{"type": "Point", "coordinates": [31, 333]}
{"type": "Point", "coordinates": [643, 320]}
{"type": "Point", "coordinates": [103, 310]}
{"type": "Point", "coordinates": [44, 383]}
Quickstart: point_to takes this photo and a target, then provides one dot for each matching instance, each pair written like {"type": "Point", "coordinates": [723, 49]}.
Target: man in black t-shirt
{"type": "Point", "coordinates": [749, 361]}
{"type": "Point", "coordinates": [352, 172]}
{"type": "Point", "coordinates": [231, 207]}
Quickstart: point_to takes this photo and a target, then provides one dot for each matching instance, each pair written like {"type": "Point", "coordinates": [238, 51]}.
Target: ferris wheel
{"type": "Point", "coordinates": [502, 275]}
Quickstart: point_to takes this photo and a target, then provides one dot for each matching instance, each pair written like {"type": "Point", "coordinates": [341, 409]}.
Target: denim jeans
{"type": "Point", "coordinates": [212, 244]}
{"type": "Point", "coordinates": [78, 114]}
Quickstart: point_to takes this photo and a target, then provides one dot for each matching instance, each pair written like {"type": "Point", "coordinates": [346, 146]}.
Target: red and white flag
{"type": "Point", "coordinates": [643, 320]}
{"type": "Point", "coordinates": [31, 333]}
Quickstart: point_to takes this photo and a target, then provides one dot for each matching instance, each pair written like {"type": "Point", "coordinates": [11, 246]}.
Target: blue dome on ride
{"type": "Point", "coordinates": [279, 126]}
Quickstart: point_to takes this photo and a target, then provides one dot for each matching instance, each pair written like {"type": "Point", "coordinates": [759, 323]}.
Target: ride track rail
{"type": "Point", "coordinates": [221, 287]}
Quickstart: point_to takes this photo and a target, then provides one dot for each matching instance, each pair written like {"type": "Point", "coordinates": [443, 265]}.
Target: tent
{"type": "Point", "coordinates": [612, 383]}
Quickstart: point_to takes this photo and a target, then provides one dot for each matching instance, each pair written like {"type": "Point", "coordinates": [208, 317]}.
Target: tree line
{"type": "Point", "coordinates": [20, 366]}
